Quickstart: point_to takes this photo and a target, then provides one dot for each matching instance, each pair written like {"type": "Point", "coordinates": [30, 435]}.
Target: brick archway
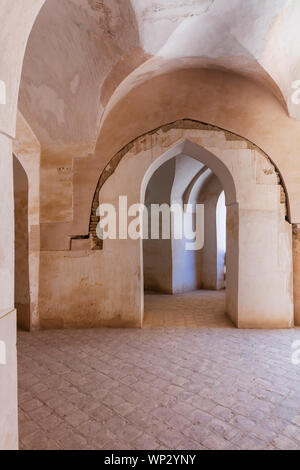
{"type": "Point", "coordinates": [253, 191]}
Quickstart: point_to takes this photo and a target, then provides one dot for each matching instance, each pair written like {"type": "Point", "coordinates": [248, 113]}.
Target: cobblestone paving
{"type": "Point", "coordinates": [168, 387]}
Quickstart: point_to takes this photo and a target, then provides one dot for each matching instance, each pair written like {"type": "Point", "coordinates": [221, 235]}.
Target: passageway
{"type": "Point", "coordinates": [202, 308]}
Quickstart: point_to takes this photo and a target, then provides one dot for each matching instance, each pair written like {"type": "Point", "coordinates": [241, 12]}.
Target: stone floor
{"type": "Point", "coordinates": [179, 385]}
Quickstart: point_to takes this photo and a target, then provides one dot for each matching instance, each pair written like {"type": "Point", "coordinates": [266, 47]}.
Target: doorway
{"type": "Point", "coordinates": [22, 284]}
{"type": "Point", "coordinates": [185, 287]}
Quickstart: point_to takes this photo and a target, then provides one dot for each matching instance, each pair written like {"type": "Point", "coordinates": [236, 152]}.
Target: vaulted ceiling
{"type": "Point", "coordinates": [83, 56]}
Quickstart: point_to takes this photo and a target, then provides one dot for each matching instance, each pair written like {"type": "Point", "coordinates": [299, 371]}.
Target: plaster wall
{"type": "Point", "coordinates": [16, 18]}
{"type": "Point", "coordinates": [186, 263]}
{"type": "Point", "coordinates": [265, 268]}
{"type": "Point", "coordinates": [221, 221]}
{"type": "Point", "coordinates": [168, 266]}
{"type": "Point", "coordinates": [22, 294]}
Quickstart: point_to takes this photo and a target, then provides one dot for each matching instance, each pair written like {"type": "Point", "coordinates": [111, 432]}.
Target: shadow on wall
{"type": "Point", "coordinates": [22, 292]}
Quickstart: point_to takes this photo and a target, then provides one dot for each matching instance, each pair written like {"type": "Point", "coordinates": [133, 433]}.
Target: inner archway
{"type": "Point", "coordinates": [184, 286]}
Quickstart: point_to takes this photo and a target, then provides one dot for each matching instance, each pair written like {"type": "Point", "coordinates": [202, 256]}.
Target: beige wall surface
{"type": "Point", "coordinates": [22, 293]}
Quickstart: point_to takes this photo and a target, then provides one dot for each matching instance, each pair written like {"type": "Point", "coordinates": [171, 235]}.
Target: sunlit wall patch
{"type": "Point", "coordinates": [2, 92]}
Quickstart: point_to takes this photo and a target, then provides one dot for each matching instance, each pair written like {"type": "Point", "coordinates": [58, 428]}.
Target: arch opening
{"type": "Point", "coordinates": [22, 282]}
{"type": "Point", "coordinates": [185, 286]}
